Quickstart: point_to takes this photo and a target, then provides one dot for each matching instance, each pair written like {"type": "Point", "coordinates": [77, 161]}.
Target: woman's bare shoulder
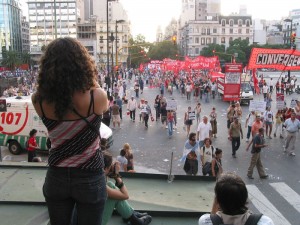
{"type": "Point", "coordinates": [100, 100]}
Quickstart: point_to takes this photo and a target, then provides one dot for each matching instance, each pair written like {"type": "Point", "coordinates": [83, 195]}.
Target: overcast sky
{"type": "Point", "coordinates": [147, 15]}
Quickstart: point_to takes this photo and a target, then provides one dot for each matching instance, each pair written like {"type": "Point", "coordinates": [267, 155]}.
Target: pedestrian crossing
{"type": "Point", "coordinates": [266, 207]}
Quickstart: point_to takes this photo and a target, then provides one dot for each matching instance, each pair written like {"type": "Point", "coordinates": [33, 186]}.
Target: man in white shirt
{"type": "Point", "coordinates": [268, 118]}
{"type": "Point", "coordinates": [265, 90]}
{"type": "Point", "coordinates": [188, 91]}
{"type": "Point", "coordinates": [204, 130]}
{"type": "Point", "coordinates": [249, 121]}
{"type": "Point", "coordinates": [271, 85]}
{"type": "Point", "coordinates": [131, 106]}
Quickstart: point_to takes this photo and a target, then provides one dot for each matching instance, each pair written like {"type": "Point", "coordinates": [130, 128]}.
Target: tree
{"type": "Point", "coordinates": [162, 50]}
{"type": "Point", "coordinates": [26, 58]}
{"type": "Point", "coordinates": [11, 60]}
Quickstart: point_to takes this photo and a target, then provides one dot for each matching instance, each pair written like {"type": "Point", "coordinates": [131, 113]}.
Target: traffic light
{"type": "Point", "coordinates": [214, 51]}
{"type": "Point", "coordinates": [174, 38]}
{"type": "Point", "coordinates": [293, 38]}
{"type": "Point", "coordinates": [101, 39]}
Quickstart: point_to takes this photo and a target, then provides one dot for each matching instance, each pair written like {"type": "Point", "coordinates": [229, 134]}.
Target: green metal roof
{"type": "Point", "coordinates": [180, 201]}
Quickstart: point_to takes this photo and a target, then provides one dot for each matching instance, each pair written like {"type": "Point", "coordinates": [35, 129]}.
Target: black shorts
{"type": "Point", "coordinates": [188, 122]}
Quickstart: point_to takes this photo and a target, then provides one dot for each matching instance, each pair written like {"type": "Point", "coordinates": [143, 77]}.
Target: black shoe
{"type": "Point", "coordinates": [145, 220]}
{"type": "Point", "coordinates": [234, 156]}
{"type": "Point", "coordinates": [250, 177]}
{"type": "Point", "coordinates": [139, 215]}
{"type": "Point", "coordinates": [265, 176]}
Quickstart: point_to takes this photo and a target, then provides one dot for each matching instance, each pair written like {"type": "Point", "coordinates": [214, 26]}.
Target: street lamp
{"type": "Point", "coordinates": [117, 21]}
{"type": "Point", "coordinates": [112, 38]}
{"type": "Point", "coordinates": [291, 29]}
{"type": "Point", "coordinates": [107, 37]}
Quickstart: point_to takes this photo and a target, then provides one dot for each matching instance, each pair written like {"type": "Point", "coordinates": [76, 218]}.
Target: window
{"type": "Point", "coordinates": [223, 40]}
{"type": "Point", "coordinates": [197, 40]}
{"type": "Point", "coordinates": [197, 51]}
{"type": "Point", "coordinates": [247, 31]}
{"type": "Point", "coordinates": [202, 41]}
{"type": "Point", "coordinates": [240, 22]}
{"type": "Point", "coordinates": [208, 31]}
{"type": "Point", "coordinates": [231, 31]}
{"type": "Point", "coordinates": [230, 39]}
{"type": "Point", "coordinates": [240, 31]}
{"type": "Point", "coordinates": [203, 31]}
{"type": "Point", "coordinates": [208, 41]}
{"type": "Point", "coordinates": [231, 23]}
{"type": "Point", "coordinates": [247, 23]}
{"type": "Point", "coordinates": [215, 30]}
{"type": "Point", "coordinates": [223, 23]}
{"type": "Point", "coordinates": [223, 30]}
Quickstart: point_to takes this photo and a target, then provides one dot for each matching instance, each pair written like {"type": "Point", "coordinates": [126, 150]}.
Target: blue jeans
{"type": "Point", "coordinates": [65, 187]}
{"type": "Point", "coordinates": [170, 128]}
{"type": "Point", "coordinates": [249, 132]}
{"type": "Point", "coordinates": [236, 142]}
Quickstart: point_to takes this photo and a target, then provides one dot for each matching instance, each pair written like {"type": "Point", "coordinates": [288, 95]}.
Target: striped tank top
{"type": "Point", "coordinates": [74, 143]}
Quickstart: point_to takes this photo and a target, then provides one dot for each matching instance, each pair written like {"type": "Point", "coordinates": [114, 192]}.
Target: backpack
{"type": "Point", "coordinates": [252, 220]}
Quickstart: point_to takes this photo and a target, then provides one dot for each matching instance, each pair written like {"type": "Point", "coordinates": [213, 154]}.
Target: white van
{"type": "Point", "coordinates": [18, 118]}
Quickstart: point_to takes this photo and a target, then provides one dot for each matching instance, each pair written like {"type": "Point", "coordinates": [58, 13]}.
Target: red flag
{"type": "Point", "coordinates": [255, 81]}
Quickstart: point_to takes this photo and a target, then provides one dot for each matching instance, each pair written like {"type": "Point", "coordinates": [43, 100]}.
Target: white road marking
{"type": "Point", "coordinates": [288, 194]}
{"type": "Point", "coordinates": [265, 206]}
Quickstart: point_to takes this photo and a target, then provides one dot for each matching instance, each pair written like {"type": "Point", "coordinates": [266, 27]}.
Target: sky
{"type": "Point", "coordinates": [147, 15]}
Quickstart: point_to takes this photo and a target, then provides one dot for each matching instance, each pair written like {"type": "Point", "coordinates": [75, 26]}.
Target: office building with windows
{"type": "Point", "coordinates": [10, 26]}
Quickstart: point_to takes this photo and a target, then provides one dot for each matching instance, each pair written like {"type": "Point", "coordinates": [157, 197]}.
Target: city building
{"type": "Point", "coordinates": [25, 35]}
{"type": "Point", "coordinates": [49, 20]}
{"type": "Point", "coordinates": [291, 25]}
{"type": "Point", "coordinates": [118, 30]}
{"type": "Point", "coordinates": [201, 24]}
{"type": "Point", "coordinates": [10, 26]}
{"type": "Point", "coordinates": [171, 30]}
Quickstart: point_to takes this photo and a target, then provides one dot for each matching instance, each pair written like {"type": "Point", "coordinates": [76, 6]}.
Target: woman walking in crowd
{"type": "Point", "coordinates": [170, 119]}
{"type": "Point", "coordinates": [207, 154]}
{"type": "Point", "coordinates": [187, 120]}
{"type": "Point", "coordinates": [70, 102]}
{"type": "Point", "coordinates": [189, 156]}
{"type": "Point", "coordinates": [157, 107]}
{"type": "Point", "coordinates": [278, 123]}
{"type": "Point", "coordinates": [216, 163]}
{"type": "Point", "coordinates": [198, 111]}
{"type": "Point", "coordinates": [213, 122]}
{"type": "Point", "coordinates": [32, 145]}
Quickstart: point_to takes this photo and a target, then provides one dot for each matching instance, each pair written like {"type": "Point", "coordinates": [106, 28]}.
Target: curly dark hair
{"type": "Point", "coordinates": [65, 67]}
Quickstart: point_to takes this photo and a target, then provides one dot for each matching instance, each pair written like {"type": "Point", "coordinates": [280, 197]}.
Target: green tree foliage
{"type": "Point", "coordinates": [26, 58]}
{"type": "Point", "coordinates": [162, 50]}
{"type": "Point", "coordinates": [238, 48]}
{"type": "Point", "coordinates": [11, 60]}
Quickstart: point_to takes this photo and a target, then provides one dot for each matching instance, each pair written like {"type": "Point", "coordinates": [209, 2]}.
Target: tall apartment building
{"type": "Point", "coordinates": [25, 35]}
{"type": "Point", "coordinates": [205, 26]}
{"type": "Point", "coordinates": [10, 26]}
{"type": "Point", "coordinates": [50, 19]}
{"type": "Point", "coordinates": [291, 25]}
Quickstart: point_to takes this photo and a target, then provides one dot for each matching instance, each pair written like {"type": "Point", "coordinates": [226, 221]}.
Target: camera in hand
{"type": "Point", "coordinates": [113, 173]}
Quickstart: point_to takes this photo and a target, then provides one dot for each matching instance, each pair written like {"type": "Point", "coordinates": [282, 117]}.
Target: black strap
{"type": "Point", "coordinates": [91, 102]}
{"type": "Point", "coordinates": [40, 102]}
{"type": "Point", "coordinates": [215, 219]}
{"type": "Point", "coordinates": [253, 219]}
{"type": "Point", "coordinates": [88, 122]}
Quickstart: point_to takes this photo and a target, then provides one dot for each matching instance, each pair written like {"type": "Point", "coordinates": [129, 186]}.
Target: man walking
{"type": "Point", "coordinates": [249, 121]}
{"type": "Point", "coordinates": [292, 126]}
{"type": "Point", "coordinates": [131, 106]}
{"type": "Point", "coordinates": [204, 130]}
{"type": "Point", "coordinates": [147, 113]}
{"type": "Point", "coordinates": [120, 104]}
{"type": "Point", "coordinates": [235, 135]}
{"type": "Point", "coordinates": [258, 143]}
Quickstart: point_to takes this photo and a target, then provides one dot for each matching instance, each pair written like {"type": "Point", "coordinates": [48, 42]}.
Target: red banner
{"type": "Point", "coordinates": [232, 85]}
{"type": "Point", "coordinates": [280, 59]}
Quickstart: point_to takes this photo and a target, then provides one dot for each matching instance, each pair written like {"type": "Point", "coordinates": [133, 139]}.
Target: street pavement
{"type": "Point", "coordinates": [277, 197]}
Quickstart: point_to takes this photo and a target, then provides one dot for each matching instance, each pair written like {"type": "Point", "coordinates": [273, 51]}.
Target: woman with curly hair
{"type": "Point", "coordinates": [71, 103]}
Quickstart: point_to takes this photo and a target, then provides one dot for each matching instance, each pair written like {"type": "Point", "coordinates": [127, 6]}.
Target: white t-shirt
{"type": "Point", "coordinates": [265, 89]}
{"type": "Point", "coordinates": [188, 88]}
{"type": "Point", "coordinates": [205, 220]}
{"type": "Point", "coordinates": [123, 161]}
{"type": "Point", "coordinates": [203, 130]}
{"type": "Point", "coordinates": [268, 116]}
{"type": "Point", "coordinates": [208, 153]}
{"type": "Point", "coordinates": [251, 119]}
